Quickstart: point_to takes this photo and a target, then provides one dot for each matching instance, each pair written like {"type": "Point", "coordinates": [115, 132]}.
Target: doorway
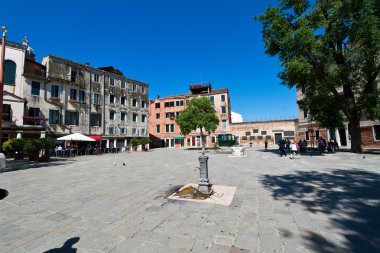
{"type": "Point", "coordinates": [277, 137]}
{"type": "Point", "coordinates": [342, 136]}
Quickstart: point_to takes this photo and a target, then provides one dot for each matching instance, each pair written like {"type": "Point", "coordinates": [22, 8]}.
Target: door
{"type": "Point", "coordinates": [277, 137]}
{"type": "Point", "coordinates": [343, 137]}
{"type": "Point", "coordinates": [193, 141]}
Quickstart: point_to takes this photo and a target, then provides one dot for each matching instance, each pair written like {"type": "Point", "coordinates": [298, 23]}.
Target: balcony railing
{"type": "Point", "coordinates": [55, 99]}
{"type": "Point", "coordinates": [34, 121]}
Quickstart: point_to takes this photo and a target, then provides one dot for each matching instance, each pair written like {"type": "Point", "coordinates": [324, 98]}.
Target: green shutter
{"type": "Point", "coordinates": [9, 72]}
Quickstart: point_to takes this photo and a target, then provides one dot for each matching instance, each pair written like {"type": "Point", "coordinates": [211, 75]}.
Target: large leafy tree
{"type": "Point", "coordinates": [199, 114]}
{"type": "Point", "coordinates": [332, 49]}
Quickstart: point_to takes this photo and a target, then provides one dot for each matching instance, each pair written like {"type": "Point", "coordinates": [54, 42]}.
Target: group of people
{"type": "Point", "coordinates": [292, 146]}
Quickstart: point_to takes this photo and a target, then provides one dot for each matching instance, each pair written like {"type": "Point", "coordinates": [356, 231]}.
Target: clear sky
{"type": "Point", "coordinates": [165, 43]}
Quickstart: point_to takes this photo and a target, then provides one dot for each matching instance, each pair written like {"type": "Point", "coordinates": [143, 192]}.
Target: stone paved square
{"type": "Point", "coordinates": [328, 203]}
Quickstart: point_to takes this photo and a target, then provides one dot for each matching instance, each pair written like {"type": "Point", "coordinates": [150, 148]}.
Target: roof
{"type": "Point", "coordinates": [95, 69]}
{"type": "Point", "coordinates": [186, 95]}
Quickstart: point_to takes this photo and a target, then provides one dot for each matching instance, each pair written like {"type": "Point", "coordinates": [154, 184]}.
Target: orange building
{"type": "Point", "coordinates": [163, 130]}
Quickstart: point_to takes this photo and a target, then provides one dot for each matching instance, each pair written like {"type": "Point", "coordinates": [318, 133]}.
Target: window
{"type": "Point", "coordinates": [82, 95]}
{"type": "Point", "coordinates": [143, 104]}
{"type": "Point", "coordinates": [33, 112]}
{"type": "Point", "coordinates": [134, 102]}
{"type": "Point", "coordinates": [143, 89]}
{"type": "Point", "coordinates": [134, 131]}
{"type": "Point", "coordinates": [112, 99]}
{"type": "Point", "coordinates": [143, 118]}
{"type": "Point", "coordinates": [157, 105]}
{"type": "Point", "coordinates": [212, 99]}
{"type": "Point", "coordinates": [35, 88]}
{"type": "Point", "coordinates": [244, 138]}
{"type": "Point", "coordinates": [134, 117]}
{"type": "Point", "coordinates": [157, 115]}
{"type": "Point", "coordinates": [317, 134]}
{"type": "Point", "coordinates": [112, 115]}
{"type": "Point", "coordinates": [71, 118]}
{"type": "Point", "coordinates": [169, 115]}
{"type": "Point", "coordinates": [122, 116]}
{"type": "Point", "coordinates": [213, 139]}
{"type": "Point", "coordinates": [181, 103]}
{"type": "Point", "coordinates": [376, 132]}
{"type": "Point", "coordinates": [142, 131]}
{"type": "Point", "coordinates": [223, 109]}
{"type": "Point", "coordinates": [73, 94]}
{"type": "Point", "coordinates": [268, 137]}
{"type": "Point", "coordinates": [122, 84]}
{"type": "Point", "coordinates": [96, 99]}
{"type": "Point", "coordinates": [96, 78]}
{"type": "Point", "coordinates": [288, 133]}
{"type": "Point", "coordinates": [112, 82]}
{"type": "Point", "coordinates": [96, 119]}
{"type": "Point", "coordinates": [307, 136]}
{"type": "Point", "coordinates": [224, 124]}
{"type": "Point", "coordinates": [177, 114]}
{"type": "Point", "coordinates": [122, 100]}
{"type": "Point", "coordinates": [263, 132]}
{"type": "Point", "coordinates": [169, 104]}
{"type": "Point", "coordinates": [54, 91]}
{"type": "Point", "coordinates": [252, 138]}
{"type": "Point", "coordinates": [134, 87]}
{"type": "Point", "coordinates": [9, 72]}
{"type": "Point", "coordinates": [169, 128]}
{"type": "Point", "coordinates": [73, 75]}
{"type": "Point", "coordinates": [305, 113]}
{"type": "Point", "coordinates": [53, 117]}
{"type": "Point", "coordinates": [7, 112]}
{"type": "Point", "coordinates": [247, 133]}
{"type": "Point", "coordinates": [223, 97]}
{"type": "Point", "coordinates": [260, 137]}
{"type": "Point", "coordinates": [158, 129]}
{"type": "Point", "coordinates": [122, 130]}
{"type": "Point", "coordinates": [255, 131]}
{"type": "Point", "coordinates": [177, 103]}
{"type": "Point", "coordinates": [111, 130]}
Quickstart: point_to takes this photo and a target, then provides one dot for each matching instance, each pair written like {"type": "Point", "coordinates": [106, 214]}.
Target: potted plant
{"type": "Point", "coordinates": [143, 142]}
{"type": "Point", "coordinates": [134, 144]}
{"type": "Point", "coordinates": [39, 149]}
{"type": "Point", "coordinates": [15, 147]}
{"type": "Point", "coordinates": [32, 148]}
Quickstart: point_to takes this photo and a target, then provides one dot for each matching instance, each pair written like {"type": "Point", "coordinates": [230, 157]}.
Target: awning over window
{"type": "Point", "coordinates": [95, 137]}
{"type": "Point", "coordinates": [178, 138]}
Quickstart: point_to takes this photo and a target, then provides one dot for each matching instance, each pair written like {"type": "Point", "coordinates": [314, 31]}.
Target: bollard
{"type": "Point", "coordinates": [204, 182]}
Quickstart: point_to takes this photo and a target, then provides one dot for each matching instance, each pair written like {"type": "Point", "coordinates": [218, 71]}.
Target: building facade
{"type": "Point", "coordinates": [310, 130]}
{"type": "Point", "coordinates": [163, 130]}
{"type": "Point", "coordinates": [99, 102]}
{"type": "Point", "coordinates": [20, 72]}
{"type": "Point", "coordinates": [255, 133]}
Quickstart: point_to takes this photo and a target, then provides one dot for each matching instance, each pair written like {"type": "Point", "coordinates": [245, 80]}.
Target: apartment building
{"type": "Point", "coordinates": [163, 130]}
{"type": "Point", "coordinates": [310, 130]}
{"type": "Point", "coordinates": [21, 73]}
{"type": "Point", "coordinates": [99, 102]}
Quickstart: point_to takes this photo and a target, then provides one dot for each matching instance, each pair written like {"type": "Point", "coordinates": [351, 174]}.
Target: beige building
{"type": "Point", "coordinates": [255, 133]}
{"type": "Point", "coordinates": [99, 102]}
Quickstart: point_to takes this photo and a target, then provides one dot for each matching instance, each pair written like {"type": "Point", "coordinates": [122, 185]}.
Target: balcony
{"type": "Point", "coordinates": [34, 121]}
{"type": "Point", "coordinates": [55, 99]}
{"type": "Point", "coordinates": [73, 101]}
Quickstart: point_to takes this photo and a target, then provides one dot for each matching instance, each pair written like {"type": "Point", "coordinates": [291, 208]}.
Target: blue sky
{"type": "Point", "coordinates": [167, 44]}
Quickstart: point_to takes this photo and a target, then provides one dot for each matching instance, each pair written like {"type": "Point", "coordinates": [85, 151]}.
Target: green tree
{"type": "Point", "coordinates": [199, 114]}
{"type": "Point", "coordinates": [332, 49]}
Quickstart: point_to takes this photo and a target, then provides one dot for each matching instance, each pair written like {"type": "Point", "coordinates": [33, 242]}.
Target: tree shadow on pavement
{"type": "Point", "coordinates": [349, 198]}
{"type": "Point", "coordinates": [67, 247]}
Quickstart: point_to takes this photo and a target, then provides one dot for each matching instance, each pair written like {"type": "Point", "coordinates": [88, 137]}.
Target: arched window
{"type": "Point", "coordinates": [9, 72]}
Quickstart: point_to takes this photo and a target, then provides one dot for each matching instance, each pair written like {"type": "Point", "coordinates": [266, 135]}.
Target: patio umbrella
{"type": "Point", "coordinates": [75, 137]}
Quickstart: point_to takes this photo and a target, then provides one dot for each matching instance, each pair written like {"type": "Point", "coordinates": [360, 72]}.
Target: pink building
{"type": "Point", "coordinates": [163, 130]}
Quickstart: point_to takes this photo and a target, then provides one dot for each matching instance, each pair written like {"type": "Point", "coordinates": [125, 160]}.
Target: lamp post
{"type": "Point", "coordinates": [2, 82]}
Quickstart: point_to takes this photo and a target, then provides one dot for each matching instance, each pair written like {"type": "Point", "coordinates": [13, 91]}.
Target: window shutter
{"type": "Point", "coordinates": [10, 72]}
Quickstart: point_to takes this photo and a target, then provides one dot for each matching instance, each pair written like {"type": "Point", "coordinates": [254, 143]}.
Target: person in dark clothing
{"type": "Point", "coordinates": [287, 145]}
{"type": "Point", "coordinates": [266, 144]}
{"type": "Point", "coordinates": [281, 145]}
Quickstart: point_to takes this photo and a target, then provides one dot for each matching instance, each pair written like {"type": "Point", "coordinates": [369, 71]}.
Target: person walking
{"type": "Point", "coordinates": [294, 150]}
{"type": "Point", "coordinates": [281, 145]}
{"type": "Point", "coordinates": [266, 144]}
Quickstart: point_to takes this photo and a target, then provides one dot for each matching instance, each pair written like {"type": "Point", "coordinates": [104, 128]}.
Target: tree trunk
{"type": "Point", "coordinates": [202, 141]}
{"type": "Point", "coordinates": [354, 131]}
